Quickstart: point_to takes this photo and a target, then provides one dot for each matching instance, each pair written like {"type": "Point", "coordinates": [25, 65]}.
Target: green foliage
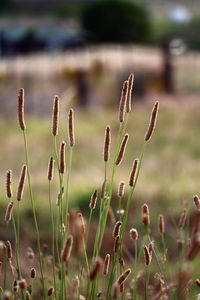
{"type": "Point", "coordinates": [116, 21]}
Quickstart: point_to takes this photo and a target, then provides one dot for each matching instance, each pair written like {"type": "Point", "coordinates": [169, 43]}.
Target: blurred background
{"type": "Point", "coordinates": [83, 50]}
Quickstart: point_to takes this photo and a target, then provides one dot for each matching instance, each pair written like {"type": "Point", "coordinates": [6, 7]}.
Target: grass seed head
{"type": "Point", "coordinates": [122, 149]}
{"type": "Point", "coordinates": [106, 264]}
{"type": "Point", "coordinates": [133, 172]}
{"type": "Point", "coordinates": [116, 244]}
{"type": "Point", "coordinates": [116, 230]}
{"type": "Point", "coordinates": [133, 234]}
{"type": "Point", "coordinates": [129, 94]}
{"type": "Point", "coordinates": [147, 256]}
{"type": "Point", "coordinates": [55, 116]}
{"type": "Point", "coordinates": [9, 184]}
{"type": "Point", "coordinates": [33, 273]}
{"type": "Point", "coordinates": [65, 255]}
{"type": "Point", "coordinates": [95, 269]}
{"type": "Point", "coordinates": [197, 201]}
{"type": "Point", "coordinates": [152, 123]}
{"type": "Point", "coordinates": [21, 109]}
{"type": "Point", "coordinates": [161, 224]}
{"type": "Point", "coordinates": [107, 141]}
{"type": "Point", "coordinates": [124, 276]}
{"type": "Point", "coordinates": [50, 291]}
{"type": "Point", "coordinates": [8, 214]}
{"type": "Point", "coordinates": [145, 214]}
{"type": "Point", "coordinates": [121, 189]}
{"type": "Point", "coordinates": [21, 183]}
{"type": "Point", "coordinates": [9, 250]}
{"type": "Point", "coordinates": [93, 200]}
{"type": "Point", "coordinates": [50, 169]}
{"type": "Point", "coordinates": [62, 157]}
{"type": "Point", "coordinates": [71, 128]}
{"type": "Point", "coordinates": [123, 100]}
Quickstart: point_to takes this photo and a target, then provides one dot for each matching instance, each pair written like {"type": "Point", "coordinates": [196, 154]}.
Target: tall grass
{"type": "Point", "coordinates": [138, 268]}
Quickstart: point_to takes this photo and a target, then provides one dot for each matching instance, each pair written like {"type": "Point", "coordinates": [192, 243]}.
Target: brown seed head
{"type": "Point", "coordinates": [115, 290]}
{"type": "Point", "coordinates": [33, 273]}
{"type": "Point", "coordinates": [116, 230]}
{"type": "Point", "coordinates": [95, 269]}
{"type": "Point", "coordinates": [62, 157]}
{"type": "Point", "coordinates": [21, 183]}
{"type": "Point", "coordinates": [145, 214]}
{"type": "Point", "coordinates": [133, 234]}
{"type": "Point", "coordinates": [9, 184]}
{"type": "Point", "coordinates": [122, 104]}
{"type": "Point", "coordinates": [71, 128]}
{"type": "Point", "coordinates": [197, 201]}
{"type": "Point", "coordinates": [65, 255]}
{"type": "Point", "coordinates": [81, 222]}
{"type": "Point", "coordinates": [21, 109]}
{"type": "Point", "coordinates": [121, 189]}
{"type": "Point", "coordinates": [133, 172]}
{"type": "Point", "coordinates": [50, 168]}
{"type": "Point", "coordinates": [7, 296]}
{"type": "Point", "coordinates": [129, 95]}
{"type": "Point", "coordinates": [122, 149]}
{"type": "Point", "coordinates": [28, 296]}
{"type": "Point", "coordinates": [152, 122]}
{"type": "Point", "coordinates": [197, 282]}
{"type": "Point", "coordinates": [182, 219]}
{"type": "Point", "coordinates": [8, 214]}
{"type": "Point", "coordinates": [55, 116]}
{"type": "Point", "coordinates": [50, 291]}
{"type": "Point", "coordinates": [106, 264]}
{"type": "Point", "coordinates": [124, 276]}
{"type": "Point", "coordinates": [116, 244]}
{"type": "Point", "coordinates": [22, 284]}
{"type": "Point", "coordinates": [15, 286]}
{"type": "Point", "coordinates": [147, 256]}
{"type": "Point", "coordinates": [161, 224]}
{"type": "Point", "coordinates": [9, 250]}
{"type": "Point", "coordinates": [107, 141]}
{"type": "Point", "coordinates": [121, 288]}
{"type": "Point", "coordinates": [93, 200]}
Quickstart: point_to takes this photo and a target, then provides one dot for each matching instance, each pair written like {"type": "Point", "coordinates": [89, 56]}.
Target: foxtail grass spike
{"type": "Point", "coordinates": [8, 214]}
{"type": "Point", "coordinates": [129, 94]}
{"type": "Point", "coordinates": [161, 224]}
{"type": "Point", "coordinates": [81, 222]}
{"type": "Point", "coordinates": [67, 249]}
{"type": "Point", "coordinates": [152, 122]}
{"type": "Point", "coordinates": [9, 250]}
{"type": "Point", "coordinates": [9, 184]}
{"type": "Point", "coordinates": [133, 172]}
{"type": "Point", "coordinates": [107, 141]}
{"type": "Point", "coordinates": [62, 157]}
{"type": "Point", "coordinates": [93, 200]}
{"type": "Point", "coordinates": [106, 264]}
{"type": "Point", "coordinates": [147, 256]}
{"type": "Point", "coordinates": [55, 116]}
{"type": "Point", "coordinates": [124, 276]}
{"type": "Point", "coordinates": [197, 201]}
{"type": "Point", "coordinates": [122, 149]}
{"type": "Point", "coordinates": [122, 104]}
{"type": "Point", "coordinates": [121, 189]}
{"type": "Point", "coordinates": [21, 183]}
{"type": "Point", "coordinates": [116, 230]}
{"type": "Point", "coordinates": [133, 234]}
{"type": "Point", "coordinates": [33, 273]}
{"type": "Point", "coordinates": [95, 269]}
{"type": "Point", "coordinates": [50, 169]}
{"type": "Point", "coordinates": [145, 214]}
{"type": "Point", "coordinates": [116, 244]}
{"type": "Point", "coordinates": [21, 109]}
{"type": "Point", "coordinates": [71, 128]}
{"type": "Point", "coordinates": [50, 291]}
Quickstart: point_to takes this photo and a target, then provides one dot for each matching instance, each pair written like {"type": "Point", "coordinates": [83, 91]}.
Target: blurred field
{"type": "Point", "coordinates": [171, 169]}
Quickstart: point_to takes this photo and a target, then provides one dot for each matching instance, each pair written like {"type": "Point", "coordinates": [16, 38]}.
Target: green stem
{"type": "Point", "coordinates": [34, 212]}
{"type": "Point", "coordinates": [53, 237]}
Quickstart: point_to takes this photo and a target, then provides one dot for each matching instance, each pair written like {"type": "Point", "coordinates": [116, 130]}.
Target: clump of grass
{"type": "Point", "coordinates": [130, 270]}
